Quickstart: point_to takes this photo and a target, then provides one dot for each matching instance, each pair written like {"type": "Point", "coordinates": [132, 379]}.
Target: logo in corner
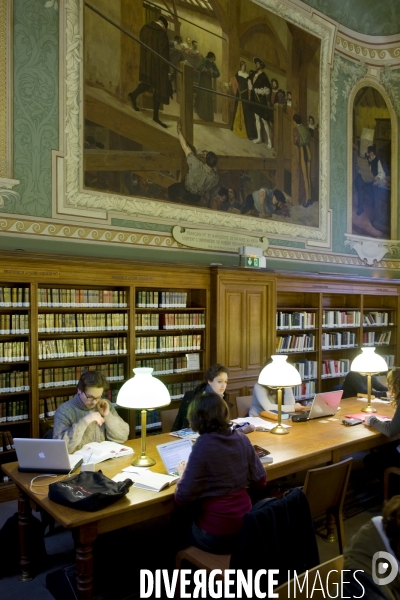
{"type": "Point", "coordinates": [384, 568]}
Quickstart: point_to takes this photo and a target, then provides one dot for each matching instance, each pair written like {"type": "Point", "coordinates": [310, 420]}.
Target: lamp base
{"type": "Point", "coordinates": [279, 430]}
{"type": "Point", "coordinates": [143, 461]}
{"type": "Point", "coordinates": [369, 409]}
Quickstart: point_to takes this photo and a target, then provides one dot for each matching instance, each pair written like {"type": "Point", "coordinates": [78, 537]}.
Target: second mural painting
{"type": "Point", "coordinates": [242, 139]}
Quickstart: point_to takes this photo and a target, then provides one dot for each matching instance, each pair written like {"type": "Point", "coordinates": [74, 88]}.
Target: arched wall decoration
{"type": "Point", "coordinates": [369, 81]}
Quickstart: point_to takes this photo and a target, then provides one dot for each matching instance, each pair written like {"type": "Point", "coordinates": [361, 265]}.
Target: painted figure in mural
{"type": "Point", "coordinates": [311, 125]}
{"type": "Point", "coordinates": [200, 179]}
{"type": "Point", "coordinates": [301, 138]}
{"type": "Point", "coordinates": [193, 56]}
{"type": "Point", "coordinates": [153, 71]}
{"type": "Point", "coordinates": [377, 186]}
{"type": "Point", "coordinates": [274, 90]}
{"type": "Point", "coordinates": [260, 93]}
{"type": "Point", "coordinates": [266, 202]}
{"type": "Point", "coordinates": [244, 124]}
{"type": "Point", "coordinates": [204, 105]}
{"type": "Point", "coordinates": [231, 203]}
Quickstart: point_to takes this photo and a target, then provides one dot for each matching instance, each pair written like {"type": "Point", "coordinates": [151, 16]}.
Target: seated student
{"type": "Point", "coordinates": [87, 417]}
{"type": "Point", "coordinates": [380, 534]}
{"type": "Point", "coordinates": [264, 398]}
{"type": "Point", "coordinates": [388, 455]}
{"type": "Point", "coordinates": [221, 465]}
{"type": "Point", "coordinates": [215, 380]}
{"type": "Point", "coordinates": [355, 383]}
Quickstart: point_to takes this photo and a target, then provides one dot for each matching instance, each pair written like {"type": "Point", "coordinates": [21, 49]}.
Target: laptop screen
{"type": "Point", "coordinates": [172, 453]}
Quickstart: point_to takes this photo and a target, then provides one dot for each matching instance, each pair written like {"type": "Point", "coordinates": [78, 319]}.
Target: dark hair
{"type": "Point", "coordinates": [234, 192]}
{"type": "Point", "coordinates": [211, 55]}
{"type": "Point", "coordinates": [391, 523]}
{"type": "Point", "coordinates": [393, 380]}
{"type": "Point", "coordinates": [371, 149]}
{"type": "Point", "coordinates": [311, 117]}
{"type": "Point", "coordinates": [163, 21]}
{"type": "Point", "coordinates": [194, 42]}
{"type": "Point", "coordinates": [213, 371]}
{"type": "Point", "coordinates": [223, 192]}
{"type": "Point", "coordinates": [211, 159]}
{"type": "Point", "coordinates": [92, 379]}
{"type": "Point", "coordinates": [208, 413]}
{"type": "Point", "coordinates": [297, 119]}
{"type": "Point", "coordinates": [280, 196]}
{"type": "Point", "coordinates": [277, 83]}
{"type": "Point", "coordinates": [288, 92]}
{"type": "Point", "coordinates": [178, 38]}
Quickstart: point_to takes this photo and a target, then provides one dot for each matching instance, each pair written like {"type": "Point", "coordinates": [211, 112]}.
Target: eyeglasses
{"type": "Point", "coordinates": [93, 398]}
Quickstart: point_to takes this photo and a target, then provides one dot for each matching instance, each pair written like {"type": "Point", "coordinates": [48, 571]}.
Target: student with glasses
{"type": "Point", "coordinates": [88, 417]}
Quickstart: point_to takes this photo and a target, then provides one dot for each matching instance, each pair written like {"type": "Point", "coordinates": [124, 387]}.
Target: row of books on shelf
{"type": "Point", "coordinates": [178, 390]}
{"type": "Point", "coordinates": [389, 358]}
{"type": "Point", "coordinates": [64, 376]}
{"type": "Point", "coordinates": [167, 343]}
{"type": "Point", "coordinates": [376, 318]}
{"type": "Point", "coordinates": [304, 390]}
{"type": "Point", "coordinates": [169, 321]}
{"type": "Point", "coordinates": [166, 366]}
{"type": "Point", "coordinates": [14, 351]}
{"type": "Point", "coordinates": [335, 368]}
{"type": "Point", "coordinates": [372, 338]}
{"type": "Point", "coordinates": [153, 419]}
{"type": "Point", "coordinates": [69, 348]}
{"type": "Point", "coordinates": [14, 296]}
{"type": "Point", "coordinates": [48, 406]}
{"type": "Point", "coordinates": [14, 324]}
{"type": "Point", "coordinates": [340, 318]}
{"type": "Point", "coordinates": [345, 339]}
{"type": "Point", "coordinates": [300, 320]}
{"type": "Point", "coordinates": [16, 410]}
{"type": "Point", "coordinates": [71, 322]}
{"type": "Point", "coordinates": [307, 368]}
{"type": "Point", "coordinates": [14, 381]}
{"type": "Point", "coordinates": [66, 297]}
{"type": "Point", "coordinates": [155, 299]}
{"type": "Point", "coordinates": [6, 441]}
{"type": "Point", "coordinates": [295, 343]}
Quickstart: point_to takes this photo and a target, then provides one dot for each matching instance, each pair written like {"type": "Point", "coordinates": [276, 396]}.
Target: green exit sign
{"type": "Point", "coordinates": [250, 261]}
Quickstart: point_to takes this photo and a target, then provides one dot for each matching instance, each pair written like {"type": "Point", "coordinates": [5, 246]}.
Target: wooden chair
{"type": "Point", "coordinates": [167, 419]}
{"type": "Point", "coordinates": [386, 480]}
{"type": "Point", "coordinates": [325, 489]}
{"type": "Point", "coordinates": [243, 404]}
{"type": "Point", "coordinates": [287, 589]}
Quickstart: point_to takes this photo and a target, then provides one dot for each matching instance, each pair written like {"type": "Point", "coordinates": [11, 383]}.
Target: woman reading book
{"type": "Point", "coordinates": [88, 417]}
{"type": "Point", "coordinates": [215, 380]}
{"type": "Point", "coordinates": [222, 464]}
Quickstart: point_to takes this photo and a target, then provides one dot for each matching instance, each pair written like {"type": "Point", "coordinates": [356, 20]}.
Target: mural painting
{"type": "Point", "coordinates": [371, 165]}
{"type": "Point", "coordinates": [214, 104]}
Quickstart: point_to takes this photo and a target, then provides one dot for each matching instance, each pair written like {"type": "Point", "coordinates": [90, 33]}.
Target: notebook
{"type": "Point", "coordinates": [44, 456]}
{"type": "Point", "coordinates": [172, 453]}
{"type": "Point", "coordinates": [324, 405]}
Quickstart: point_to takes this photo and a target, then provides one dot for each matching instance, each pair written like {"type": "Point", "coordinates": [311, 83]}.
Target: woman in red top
{"type": "Point", "coordinates": [221, 465]}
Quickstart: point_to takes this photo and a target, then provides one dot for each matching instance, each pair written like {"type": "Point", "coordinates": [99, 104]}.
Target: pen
{"type": "Point", "coordinates": [88, 460]}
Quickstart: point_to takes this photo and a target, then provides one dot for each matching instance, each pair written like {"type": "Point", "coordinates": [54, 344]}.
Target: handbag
{"type": "Point", "coordinates": [89, 490]}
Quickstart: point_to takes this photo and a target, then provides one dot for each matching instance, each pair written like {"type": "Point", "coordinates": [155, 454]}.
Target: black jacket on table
{"type": "Point", "coordinates": [355, 383]}
{"type": "Point", "coordinates": [181, 418]}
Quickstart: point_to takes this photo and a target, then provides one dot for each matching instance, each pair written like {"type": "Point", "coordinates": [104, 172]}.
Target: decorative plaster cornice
{"type": "Point", "coordinates": [372, 52]}
{"type": "Point", "coordinates": [371, 250]}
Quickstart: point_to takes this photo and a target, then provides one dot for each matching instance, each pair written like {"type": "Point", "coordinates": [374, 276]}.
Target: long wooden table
{"type": "Point", "coordinates": [308, 445]}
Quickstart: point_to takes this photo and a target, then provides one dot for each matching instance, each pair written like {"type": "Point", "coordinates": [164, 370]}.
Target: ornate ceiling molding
{"type": "Point", "coordinates": [366, 48]}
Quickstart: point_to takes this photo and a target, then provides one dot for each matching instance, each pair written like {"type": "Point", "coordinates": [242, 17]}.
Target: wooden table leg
{"type": "Point", "coordinates": [85, 537]}
{"type": "Point", "coordinates": [25, 536]}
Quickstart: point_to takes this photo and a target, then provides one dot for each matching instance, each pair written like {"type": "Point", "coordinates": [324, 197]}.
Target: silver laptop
{"type": "Point", "coordinates": [172, 453]}
{"type": "Point", "coordinates": [324, 404]}
{"type": "Point", "coordinates": [44, 456]}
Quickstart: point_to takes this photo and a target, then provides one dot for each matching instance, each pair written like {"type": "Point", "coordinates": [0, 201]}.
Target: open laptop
{"type": "Point", "coordinates": [324, 405]}
{"type": "Point", "coordinates": [172, 453]}
{"type": "Point", "coordinates": [44, 456]}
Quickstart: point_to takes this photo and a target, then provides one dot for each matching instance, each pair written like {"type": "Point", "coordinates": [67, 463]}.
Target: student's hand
{"type": "Point", "coordinates": [103, 407]}
{"type": "Point", "coordinates": [367, 420]}
{"type": "Point", "coordinates": [299, 407]}
{"type": "Point", "coordinates": [95, 417]}
{"type": "Point", "coordinates": [181, 467]}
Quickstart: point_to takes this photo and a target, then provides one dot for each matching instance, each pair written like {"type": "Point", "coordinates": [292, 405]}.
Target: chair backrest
{"type": "Point", "coordinates": [243, 404]}
{"type": "Point", "coordinates": [295, 588]}
{"type": "Point", "coordinates": [49, 434]}
{"type": "Point", "coordinates": [167, 419]}
{"type": "Point", "coordinates": [326, 487]}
